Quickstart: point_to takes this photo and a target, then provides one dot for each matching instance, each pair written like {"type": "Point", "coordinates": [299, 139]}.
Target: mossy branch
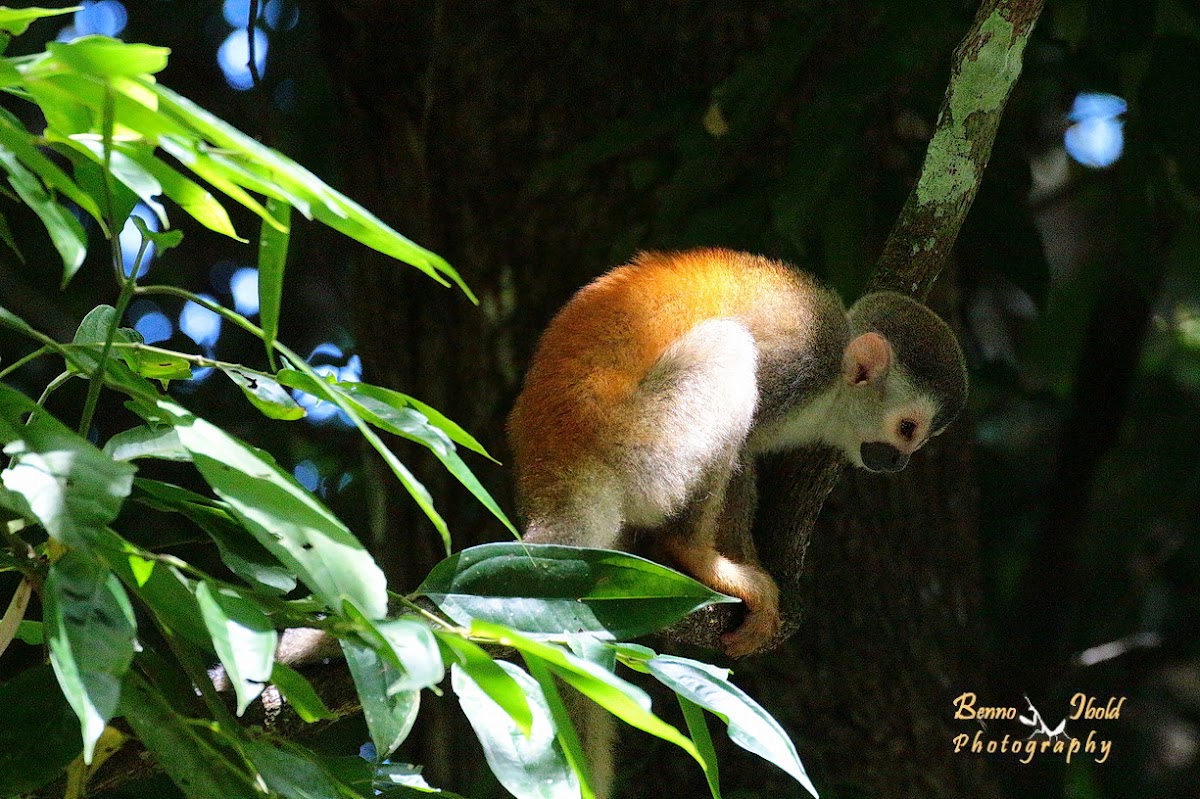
{"type": "Point", "coordinates": [793, 487]}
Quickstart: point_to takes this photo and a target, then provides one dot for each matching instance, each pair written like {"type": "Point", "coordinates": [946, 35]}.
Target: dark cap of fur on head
{"type": "Point", "coordinates": [925, 347]}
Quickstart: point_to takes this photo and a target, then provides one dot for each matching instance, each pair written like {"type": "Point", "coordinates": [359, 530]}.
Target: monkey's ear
{"type": "Point", "coordinates": [867, 359]}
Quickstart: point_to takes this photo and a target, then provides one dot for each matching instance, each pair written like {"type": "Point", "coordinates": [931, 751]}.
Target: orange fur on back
{"type": "Point", "coordinates": [601, 345]}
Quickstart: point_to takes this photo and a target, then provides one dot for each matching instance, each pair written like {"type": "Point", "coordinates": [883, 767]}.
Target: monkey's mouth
{"type": "Point", "coordinates": [878, 456]}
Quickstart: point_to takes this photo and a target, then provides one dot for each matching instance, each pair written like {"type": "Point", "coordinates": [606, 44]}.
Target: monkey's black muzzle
{"type": "Point", "coordinates": [880, 457]}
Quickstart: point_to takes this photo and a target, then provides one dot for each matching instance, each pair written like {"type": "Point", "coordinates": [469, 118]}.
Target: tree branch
{"type": "Point", "coordinates": [793, 487]}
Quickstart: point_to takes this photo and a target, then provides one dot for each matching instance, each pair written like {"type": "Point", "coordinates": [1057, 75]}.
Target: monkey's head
{"type": "Point", "coordinates": [905, 380]}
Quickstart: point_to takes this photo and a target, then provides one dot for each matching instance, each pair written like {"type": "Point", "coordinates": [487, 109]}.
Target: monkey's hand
{"type": "Point", "coordinates": [761, 624]}
{"type": "Point", "coordinates": [746, 581]}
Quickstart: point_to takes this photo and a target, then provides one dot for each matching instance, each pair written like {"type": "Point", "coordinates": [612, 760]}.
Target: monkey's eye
{"type": "Point", "coordinates": [908, 429]}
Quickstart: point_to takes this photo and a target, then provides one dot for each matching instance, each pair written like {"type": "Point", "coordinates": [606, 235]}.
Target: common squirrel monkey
{"type": "Point", "coordinates": [656, 386]}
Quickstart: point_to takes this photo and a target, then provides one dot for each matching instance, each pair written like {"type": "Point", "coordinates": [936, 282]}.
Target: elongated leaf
{"type": "Point", "coordinates": [145, 441]}
{"type": "Point", "coordinates": [15, 137]}
{"type": "Point", "coordinates": [408, 422]}
{"type": "Point", "coordinates": [200, 769]}
{"type": "Point", "coordinates": [272, 258]}
{"type": "Point", "coordinates": [243, 637]}
{"type": "Point", "coordinates": [530, 764]}
{"type": "Point", "coordinates": [328, 205]}
{"type": "Point", "coordinates": [400, 401]}
{"type": "Point", "coordinates": [319, 388]}
{"type": "Point", "coordinates": [64, 483]}
{"type": "Point", "coordinates": [285, 518]}
{"type": "Point", "coordinates": [65, 231]}
{"type": "Point", "coordinates": [300, 694]}
{"type": "Point", "coordinates": [17, 20]}
{"type": "Point", "coordinates": [564, 725]}
{"type": "Point", "coordinates": [93, 329]}
{"type": "Point", "coordinates": [750, 727]}
{"type": "Point", "coordinates": [408, 646]}
{"type": "Point", "coordinates": [698, 729]}
{"type": "Point", "coordinates": [197, 201]}
{"type": "Point", "coordinates": [265, 394]}
{"type": "Point", "coordinates": [624, 700]}
{"type": "Point", "coordinates": [289, 771]}
{"type": "Point", "coordinates": [549, 590]}
{"type": "Point", "coordinates": [389, 715]}
{"type": "Point", "coordinates": [7, 237]}
{"type": "Point", "coordinates": [485, 672]}
{"type": "Point", "coordinates": [242, 553]}
{"type": "Point", "coordinates": [39, 733]}
{"type": "Point", "coordinates": [128, 171]}
{"type": "Point", "coordinates": [91, 630]}
{"type": "Point", "coordinates": [101, 55]}
{"type": "Point", "coordinates": [161, 588]}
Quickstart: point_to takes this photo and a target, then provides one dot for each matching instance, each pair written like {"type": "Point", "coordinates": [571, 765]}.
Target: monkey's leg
{"type": "Point", "coordinates": [697, 407]}
{"type": "Point", "coordinates": [742, 577]}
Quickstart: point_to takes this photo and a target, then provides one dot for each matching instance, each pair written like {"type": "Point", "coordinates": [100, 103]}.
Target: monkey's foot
{"type": "Point", "coordinates": [758, 630]}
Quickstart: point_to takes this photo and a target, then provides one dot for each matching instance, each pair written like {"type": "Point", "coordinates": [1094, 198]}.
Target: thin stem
{"type": "Point", "coordinates": [127, 290]}
{"type": "Point", "coordinates": [51, 387]}
{"type": "Point", "coordinates": [252, 63]}
{"type": "Point", "coordinates": [15, 365]}
{"type": "Point", "coordinates": [432, 618]}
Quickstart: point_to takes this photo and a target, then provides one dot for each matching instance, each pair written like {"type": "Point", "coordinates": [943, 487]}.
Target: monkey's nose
{"type": "Point", "coordinates": [879, 456]}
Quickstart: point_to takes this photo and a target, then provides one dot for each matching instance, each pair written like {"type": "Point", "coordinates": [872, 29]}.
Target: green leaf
{"type": "Point", "coordinates": [400, 417]}
{"type": "Point", "coordinates": [162, 240]}
{"type": "Point", "coordinates": [31, 632]}
{"type": "Point", "coordinates": [93, 329]}
{"type": "Point", "coordinates": [65, 231]}
{"type": "Point", "coordinates": [624, 700]}
{"type": "Point", "coordinates": [161, 588]}
{"type": "Point", "coordinates": [17, 20]}
{"type": "Point", "coordinates": [242, 553]}
{"type": "Point", "coordinates": [327, 205]}
{"type": "Point", "coordinates": [300, 694]}
{"type": "Point", "coordinates": [698, 729]}
{"type": "Point", "coordinates": [179, 744]}
{"type": "Point", "coordinates": [244, 639]}
{"type": "Point", "coordinates": [323, 390]}
{"type": "Point", "coordinates": [564, 725]}
{"type": "Point", "coordinates": [750, 727]}
{"type": "Point", "coordinates": [486, 674]}
{"type": "Point", "coordinates": [7, 237]}
{"type": "Point", "coordinates": [105, 57]}
{"type": "Point", "coordinates": [145, 441]}
{"type": "Point", "coordinates": [389, 715]}
{"type": "Point", "coordinates": [91, 630]}
{"type": "Point", "coordinates": [546, 590]}
{"type": "Point", "coordinates": [289, 771]}
{"type": "Point", "coordinates": [66, 484]}
{"type": "Point", "coordinates": [193, 198]}
{"type": "Point", "coordinates": [39, 733]}
{"type": "Point", "coordinates": [285, 518]}
{"type": "Point", "coordinates": [272, 258]}
{"type": "Point", "coordinates": [127, 171]}
{"type": "Point", "coordinates": [530, 764]}
{"type": "Point", "coordinates": [15, 137]}
{"type": "Point", "coordinates": [266, 394]}
{"type": "Point", "coordinates": [407, 646]}
{"type": "Point", "coordinates": [401, 401]}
